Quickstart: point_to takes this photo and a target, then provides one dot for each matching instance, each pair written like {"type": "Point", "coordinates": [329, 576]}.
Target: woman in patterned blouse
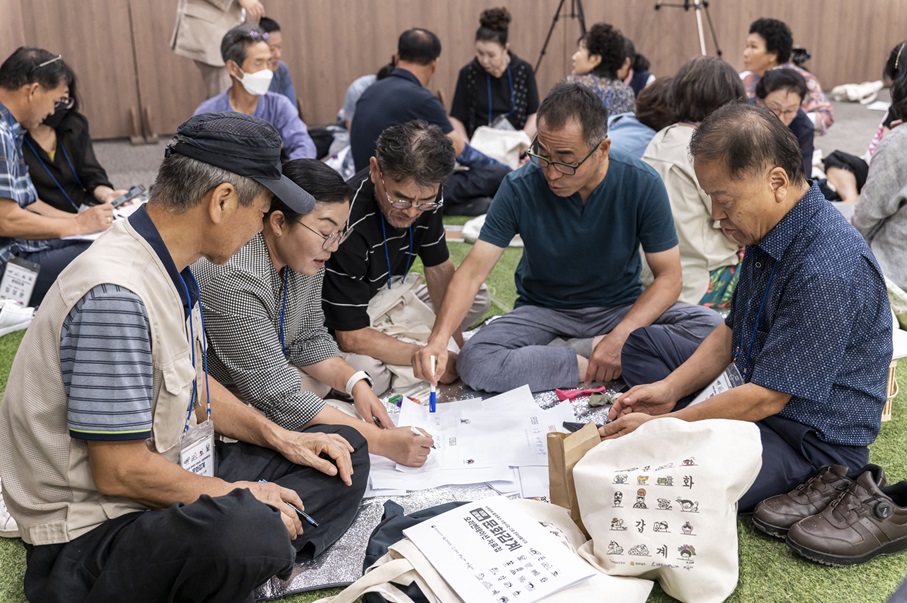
{"type": "Point", "coordinates": [599, 56]}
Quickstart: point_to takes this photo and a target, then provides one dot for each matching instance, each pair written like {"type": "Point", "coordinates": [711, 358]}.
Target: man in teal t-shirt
{"type": "Point", "coordinates": [583, 214]}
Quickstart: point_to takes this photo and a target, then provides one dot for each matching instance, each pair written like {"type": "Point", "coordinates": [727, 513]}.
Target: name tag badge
{"type": "Point", "coordinates": [197, 449]}
{"type": "Point", "coordinates": [727, 380]}
{"type": "Point", "coordinates": [19, 280]}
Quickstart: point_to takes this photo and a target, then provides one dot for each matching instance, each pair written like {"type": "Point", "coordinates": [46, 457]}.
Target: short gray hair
{"type": "Point", "coordinates": [182, 182]}
{"type": "Point", "coordinates": [233, 45]}
{"type": "Point", "coordinates": [416, 150]}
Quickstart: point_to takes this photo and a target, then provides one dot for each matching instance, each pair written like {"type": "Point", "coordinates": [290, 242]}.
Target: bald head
{"type": "Point", "coordinates": [748, 140]}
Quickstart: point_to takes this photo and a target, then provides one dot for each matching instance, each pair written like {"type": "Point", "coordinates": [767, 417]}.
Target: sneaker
{"type": "Point", "coordinates": [14, 317]}
{"type": "Point", "coordinates": [865, 521]}
{"type": "Point", "coordinates": [8, 526]}
{"type": "Point", "coordinates": [777, 514]}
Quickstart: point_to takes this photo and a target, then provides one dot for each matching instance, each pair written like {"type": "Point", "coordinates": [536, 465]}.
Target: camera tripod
{"type": "Point", "coordinates": [576, 12]}
{"type": "Point", "coordinates": [699, 6]}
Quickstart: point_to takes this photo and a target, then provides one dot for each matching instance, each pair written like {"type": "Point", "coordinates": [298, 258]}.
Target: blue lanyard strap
{"type": "Point", "coordinates": [512, 96]}
{"type": "Point", "coordinates": [387, 255]}
{"type": "Point", "coordinates": [46, 169]}
{"type": "Point", "coordinates": [204, 356]}
{"type": "Point", "coordinates": [749, 350]}
{"type": "Point", "coordinates": [283, 308]}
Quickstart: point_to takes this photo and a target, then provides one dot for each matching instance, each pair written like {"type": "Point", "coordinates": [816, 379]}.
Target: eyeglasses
{"type": "Point", "coordinates": [780, 112]}
{"type": "Point", "coordinates": [335, 237]}
{"type": "Point", "coordinates": [65, 103]}
{"type": "Point", "coordinates": [568, 169]}
{"type": "Point", "coordinates": [406, 203]}
{"type": "Point", "coordinates": [59, 57]}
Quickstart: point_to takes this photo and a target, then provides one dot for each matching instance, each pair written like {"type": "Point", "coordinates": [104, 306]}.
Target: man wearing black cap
{"type": "Point", "coordinates": [107, 449]}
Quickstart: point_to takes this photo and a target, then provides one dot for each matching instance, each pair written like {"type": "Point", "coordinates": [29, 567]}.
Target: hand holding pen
{"type": "Point", "coordinates": [285, 498]}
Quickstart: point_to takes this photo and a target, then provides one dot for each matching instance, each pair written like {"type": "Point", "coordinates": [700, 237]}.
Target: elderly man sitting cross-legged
{"type": "Point", "coordinates": [107, 428]}
{"type": "Point", "coordinates": [809, 329]}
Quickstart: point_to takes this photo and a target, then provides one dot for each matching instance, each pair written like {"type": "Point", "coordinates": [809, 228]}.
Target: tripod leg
{"type": "Point", "coordinates": [708, 16]}
{"type": "Point", "coordinates": [697, 4]}
{"type": "Point", "coordinates": [581, 15]}
{"type": "Point", "coordinates": [557, 15]}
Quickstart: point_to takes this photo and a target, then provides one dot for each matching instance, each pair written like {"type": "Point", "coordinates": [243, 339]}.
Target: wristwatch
{"type": "Point", "coordinates": [356, 378]}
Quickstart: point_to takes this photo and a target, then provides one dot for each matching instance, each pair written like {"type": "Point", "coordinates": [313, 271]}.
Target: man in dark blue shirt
{"type": "Point", "coordinates": [403, 97]}
{"type": "Point", "coordinates": [810, 326]}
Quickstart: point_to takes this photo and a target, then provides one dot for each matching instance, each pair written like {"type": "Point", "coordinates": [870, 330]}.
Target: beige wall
{"type": "Point", "coordinates": [120, 49]}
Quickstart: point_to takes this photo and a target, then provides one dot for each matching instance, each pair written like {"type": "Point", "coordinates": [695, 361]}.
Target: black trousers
{"type": "Point", "coordinates": [791, 452]}
{"type": "Point", "coordinates": [215, 549]}
{"type": "Point", "coordinates": [469, 192]}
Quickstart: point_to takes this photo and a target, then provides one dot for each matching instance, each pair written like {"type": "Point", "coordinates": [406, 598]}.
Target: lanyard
{"type": "Point", "coordinates": [204, 354]}
{"type": "Point", "coordinates": [387, 255]}
{"type": "Point", "coordinates": [512, 97]}
{"type": "Point", "coordinates": [46, 169]}
{"type": "Point", "coordinates": [283, 308]}
{"type": "Point", "coordinates": [749, 350]}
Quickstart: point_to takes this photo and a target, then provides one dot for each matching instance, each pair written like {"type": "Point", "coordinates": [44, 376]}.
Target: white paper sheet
{"type": "Point", "coordinates": [490, 551]}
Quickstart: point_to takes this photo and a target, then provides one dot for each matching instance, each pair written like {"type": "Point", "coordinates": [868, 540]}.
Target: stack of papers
{"type": "Point", "coordinates": [501, 441]}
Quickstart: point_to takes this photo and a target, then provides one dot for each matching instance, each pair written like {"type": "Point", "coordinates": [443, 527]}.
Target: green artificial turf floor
{"type": "Point", "coordinates": [769, 571]}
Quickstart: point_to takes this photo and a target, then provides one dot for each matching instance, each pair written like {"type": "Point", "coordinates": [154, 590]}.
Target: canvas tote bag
{"type": "Point", "coordinates": [405, 564]}
{"type": "Point", "coordinates": [661, 503]}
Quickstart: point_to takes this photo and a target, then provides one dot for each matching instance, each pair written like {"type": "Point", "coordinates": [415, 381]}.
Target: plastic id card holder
{"type": "Point", "coordinates": [19, 280]}
{"type": "Point", "coordinates": [727, 380]}
{"type": "Point", "coordinates": [197, 449]}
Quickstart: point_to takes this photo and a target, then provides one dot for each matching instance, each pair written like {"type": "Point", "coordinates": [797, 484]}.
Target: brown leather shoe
{"type": "Point", "coordinates": [865, 521]}
{"type": "Point", "coordinates": [777, 514]}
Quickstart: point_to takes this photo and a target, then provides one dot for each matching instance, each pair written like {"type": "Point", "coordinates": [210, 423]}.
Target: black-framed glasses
{"type": "Point", "coordinates": [406, 203]}
{"type": "Point", "coordinates": [64, 103]}
{"type": "Point", "coordinates": [59, 57]}
{"type": "Point", "coordinates": [335, 237]}
{"type": "Point", "coordinates": [568, 169]}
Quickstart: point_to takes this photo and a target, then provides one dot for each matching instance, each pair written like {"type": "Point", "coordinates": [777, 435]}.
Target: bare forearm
{"type": "Point", "coordinates": [238, 421]}
{"type": "Point", "coordinates": [748, 402]}
{"type": "Point", "coordinates": [122, 470]}
{"type": "Point", "coordinates": [651, 304]}
{"type": "Point", "coordinates": [25, 224]}
{"type": "Point", "coordinates": [437, 279]}
{"type": "Point", "coordinates": [370, 342]}
{"type": "Point", "coordinates": [708, 361]}
{"type": "Point", "coordinates": [333, 371]}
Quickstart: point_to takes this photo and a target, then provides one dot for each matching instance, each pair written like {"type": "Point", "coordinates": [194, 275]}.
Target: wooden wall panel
{"type": "Point", "coordinates": [329, 43]}
{"type": "Point", "coordinates": [95, 40]}
{"type": "Point", "coordinates": [12, 30]}
{"type": "Point", "coordinates": [170, 85]}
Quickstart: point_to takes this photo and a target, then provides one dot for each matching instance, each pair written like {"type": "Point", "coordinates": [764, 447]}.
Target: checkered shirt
{"type": "Point", "coordinates": [241, 302]}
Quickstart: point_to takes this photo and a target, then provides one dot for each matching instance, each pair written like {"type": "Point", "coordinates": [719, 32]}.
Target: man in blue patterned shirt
{"type": "Point", "coordinates": [32, 82]}
{"type": "Point", "coordinates": [810, 325]}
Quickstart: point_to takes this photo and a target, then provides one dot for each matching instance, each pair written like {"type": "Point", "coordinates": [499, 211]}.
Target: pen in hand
{"type": "Point", "coordinates": [433, 396]}
{"type": "Point", "coordinates": [299, 511]}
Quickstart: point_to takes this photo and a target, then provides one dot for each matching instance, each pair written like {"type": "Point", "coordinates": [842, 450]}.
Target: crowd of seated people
{"type": "Point", "coordinates": [217, 357]}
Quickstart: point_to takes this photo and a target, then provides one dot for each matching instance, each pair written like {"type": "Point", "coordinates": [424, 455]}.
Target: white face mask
{"type": "Point", "coordinates": [257, 83]}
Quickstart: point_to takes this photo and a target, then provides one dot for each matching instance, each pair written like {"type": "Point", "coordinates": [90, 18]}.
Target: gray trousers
{"type": "Point", "coordinates": [514, 350]}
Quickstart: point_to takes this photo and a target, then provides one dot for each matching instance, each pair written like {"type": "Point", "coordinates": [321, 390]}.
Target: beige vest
{"type": "Point", "coordinates": [47, 482]}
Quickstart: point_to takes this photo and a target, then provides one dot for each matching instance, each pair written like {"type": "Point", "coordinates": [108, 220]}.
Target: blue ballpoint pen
{"type": "Point", "coordinates": [433, 396]}
{"type": "Point", "coordinates": [301, 513]}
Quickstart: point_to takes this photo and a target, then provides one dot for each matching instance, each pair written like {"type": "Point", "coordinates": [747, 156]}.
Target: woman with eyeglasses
{"type": "Point", "coordinates": [61, 160]}
{"type": "Point", "coordinates": [263, 317]}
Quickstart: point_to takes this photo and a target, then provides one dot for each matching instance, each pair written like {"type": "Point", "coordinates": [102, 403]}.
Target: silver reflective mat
{"type": "Point", "coordinates": [341, 564]}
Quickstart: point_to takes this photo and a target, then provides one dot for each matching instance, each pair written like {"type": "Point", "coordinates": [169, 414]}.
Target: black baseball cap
{"type": "Point", "coordinates": [243, 144]}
